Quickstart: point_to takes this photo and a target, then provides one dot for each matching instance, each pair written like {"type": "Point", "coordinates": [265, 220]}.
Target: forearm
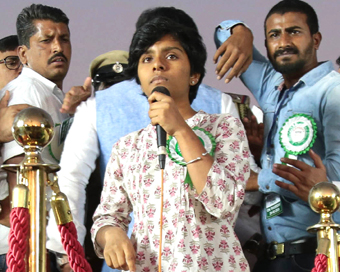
{"type": "Point", "coordinates": [227, 176]}
{"type": "Point", "coordinates": [192, 148]}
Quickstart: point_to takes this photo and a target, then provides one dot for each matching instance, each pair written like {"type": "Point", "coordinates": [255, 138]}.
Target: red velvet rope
{"type": "Point", "coordinates": [18, 240]}
{"type": "Point", "coordinates": [74, 250]}
{"type": "Point", "coordinates": [320, 263]}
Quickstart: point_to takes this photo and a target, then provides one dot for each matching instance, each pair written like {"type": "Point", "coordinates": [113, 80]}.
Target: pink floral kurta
{"type": "Point", "coordinates": [198, 230]}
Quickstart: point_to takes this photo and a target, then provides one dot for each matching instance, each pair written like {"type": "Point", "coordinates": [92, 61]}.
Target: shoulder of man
{"type": "Point", "coordinates": [23, 90]}
{"type": "Point", "coordinates": [207, 99]}
{"type": "Point", "coordinates": [122, 91]}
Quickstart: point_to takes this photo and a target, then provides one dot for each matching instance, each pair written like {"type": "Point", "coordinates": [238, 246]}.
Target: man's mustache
{"type": "Point", "coordinates": [50, 60]}
{"type": "Point", "coordinates": [289, 50]}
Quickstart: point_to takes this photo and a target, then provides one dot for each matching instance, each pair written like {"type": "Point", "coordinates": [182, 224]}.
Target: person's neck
{"type": "Point", "coordinates": [185, 110]}
{"type": "Point", "coordinates": [291, 79]}
{"type": "Point", "coordinates": [59, 84]}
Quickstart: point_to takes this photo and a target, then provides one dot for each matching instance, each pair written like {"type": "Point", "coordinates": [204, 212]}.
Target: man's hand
{"type": "Point", "coordinates": [255, 133]}
{"type": "Point", "coordinates": [303, 176]}
{"type": "Point", "coordinates": [119, 252]}
{"type": "Point", "coordinates": [75, 96]}
{"type": "Point", "coordinates": [236, 52]}
{"type": "Point", "coordinates": [7, 115]}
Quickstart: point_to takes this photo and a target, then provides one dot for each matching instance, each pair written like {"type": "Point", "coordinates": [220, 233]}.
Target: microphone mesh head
{"type": "Point", "coordinates": [161, 89]}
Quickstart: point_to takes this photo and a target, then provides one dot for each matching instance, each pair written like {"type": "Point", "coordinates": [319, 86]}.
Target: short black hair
{"type": "Point", "coordinates": [177, 15]}
{"type": "Point", "coordinates": [338, 61]}
{"type": "Point", "coordinates": [296, 6]}
{"type": "Point", "coordinates": [153, 31]}
{"type": "Point", "coordinates": [9, 43]}
{"type": "Point", "coordinates": [25, 21]}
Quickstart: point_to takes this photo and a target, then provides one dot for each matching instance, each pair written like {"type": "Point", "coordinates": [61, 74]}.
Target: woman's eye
{"type": "Point", "coordinates": [171, 56]}
{"type": "Point", "coordinates": [147, 59]}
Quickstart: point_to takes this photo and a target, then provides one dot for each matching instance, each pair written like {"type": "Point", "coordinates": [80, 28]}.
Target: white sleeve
{"type": "Point", "coordinates": [228, 106]}
{"type": "Point", "coordinates": [29, 95]}
{"type": "Point", "coordinates": [81, 150]}
{"type": "Point", "coordinates": [3, 186]}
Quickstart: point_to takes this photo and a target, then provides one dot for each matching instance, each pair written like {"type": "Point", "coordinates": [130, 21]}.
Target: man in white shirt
{"type": "Point", "coordinates": [45, 52]}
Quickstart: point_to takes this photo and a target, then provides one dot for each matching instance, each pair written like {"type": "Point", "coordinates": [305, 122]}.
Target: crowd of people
{"type": "Point", "coordinates": [231, 195]}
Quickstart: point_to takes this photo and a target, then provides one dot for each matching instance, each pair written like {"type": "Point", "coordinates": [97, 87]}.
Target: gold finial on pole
{"type": "Point", "coordinates": [324, 198]}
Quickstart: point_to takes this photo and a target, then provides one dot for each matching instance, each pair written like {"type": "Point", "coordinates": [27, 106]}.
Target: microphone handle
{"type": "Point", "coordinates": [161, 144]}
{"type": "Point", "coordinates": [161, 159]}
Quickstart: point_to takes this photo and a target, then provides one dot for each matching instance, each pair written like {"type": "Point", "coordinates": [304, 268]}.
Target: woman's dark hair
{"type": "Point", "coordinates": [153, 31]}
{"type": "Point", "coordinates": [177, 15]}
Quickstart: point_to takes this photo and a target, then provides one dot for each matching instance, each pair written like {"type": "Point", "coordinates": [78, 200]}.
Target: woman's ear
{"type": "Point", "coordinates": [194, 79]}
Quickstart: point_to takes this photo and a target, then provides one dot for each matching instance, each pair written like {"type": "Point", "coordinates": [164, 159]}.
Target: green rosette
{"type": "Point", "coordinates": [298, 134]}
{"type": "Point", "coordinates": [174, 152]}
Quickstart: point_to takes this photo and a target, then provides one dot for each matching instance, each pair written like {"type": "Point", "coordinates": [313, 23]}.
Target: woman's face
{"type": "Point", "coordinates": [166, 64]}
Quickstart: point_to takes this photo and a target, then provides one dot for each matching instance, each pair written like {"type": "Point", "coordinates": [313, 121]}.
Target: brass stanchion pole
{"type": "Point", "coordinates": [33, 130]}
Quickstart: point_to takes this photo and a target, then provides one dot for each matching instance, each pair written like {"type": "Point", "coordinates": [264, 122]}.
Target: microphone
{"type": "Point", "coordinates": [161, 134]}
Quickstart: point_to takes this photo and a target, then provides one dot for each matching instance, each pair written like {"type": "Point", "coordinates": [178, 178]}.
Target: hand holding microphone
{"type": "Point", "coordinates": [165, 113]}
{"type": "Point", "coordinates": [161, 134]}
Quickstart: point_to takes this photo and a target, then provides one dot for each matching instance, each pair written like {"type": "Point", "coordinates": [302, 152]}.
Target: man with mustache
{"type": "Point", "coordinates": [45, 52]}
{"type": "Point", "coordinates": [293, 89]}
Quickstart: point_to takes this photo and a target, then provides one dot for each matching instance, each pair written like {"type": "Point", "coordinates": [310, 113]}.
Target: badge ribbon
{"type": "Point", "coordinates": [297, 135]}
{"type": "Point", "coordinates": [174, 152]}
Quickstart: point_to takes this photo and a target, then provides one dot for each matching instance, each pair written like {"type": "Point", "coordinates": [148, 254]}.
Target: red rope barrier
{"type": "Point", "coordinates": [74, 250]}
{"type": "Point", "coordinates": [18, 240]}
{"type": "Point", "coordinates": [320, 263]}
